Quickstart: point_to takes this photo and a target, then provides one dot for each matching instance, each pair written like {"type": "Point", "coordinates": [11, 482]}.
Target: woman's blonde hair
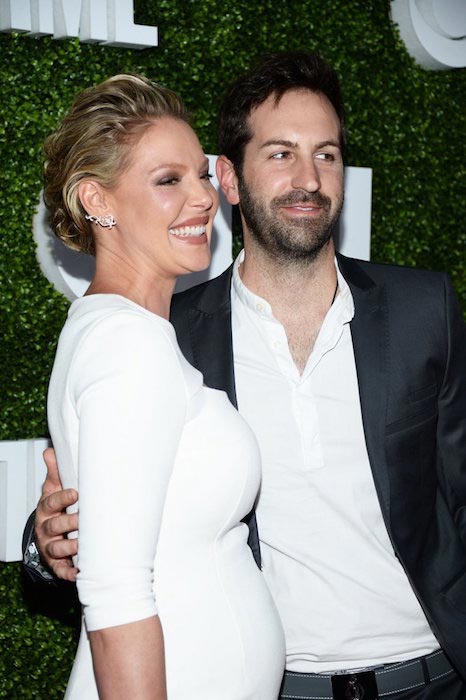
{"type": "Point", "coordinates": [93, 141]}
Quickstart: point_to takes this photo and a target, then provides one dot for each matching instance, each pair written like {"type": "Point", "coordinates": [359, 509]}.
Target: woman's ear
{"type": "Point", "coordinates": [93, 198]}
{"type": "Point", "coordinates": [227, 178]}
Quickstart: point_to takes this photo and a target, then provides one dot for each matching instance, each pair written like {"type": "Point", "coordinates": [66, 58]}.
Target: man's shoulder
{"type": "Point", "coordinates": [207, 296]}
{"type": "Point", "coordinates": [413, 297]}
{"type": "Point", "coordinates": [389, 274]}
{"type": "Point", "coordinates": [209, 301]}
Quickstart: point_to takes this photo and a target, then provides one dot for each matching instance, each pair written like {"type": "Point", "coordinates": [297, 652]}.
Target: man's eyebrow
{"type": "Point", "coordinates": [279, 142]}
{"type": "Point", "coordinates": [328, 142]}
{"type": "Point", "coordinates": [293, 144]}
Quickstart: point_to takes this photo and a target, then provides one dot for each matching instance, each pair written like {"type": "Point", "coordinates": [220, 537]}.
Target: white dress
{"type": "Point", "coordinates": [165, 468]}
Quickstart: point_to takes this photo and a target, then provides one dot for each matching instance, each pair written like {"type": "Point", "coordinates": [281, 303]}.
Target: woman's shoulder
{"type": "Point", "coordinates": [109, 333]}
{"type": "Point", "coordinates": [112, 318]}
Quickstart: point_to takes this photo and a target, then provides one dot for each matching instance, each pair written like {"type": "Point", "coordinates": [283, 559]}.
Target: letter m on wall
{"type": "Point", "coordinates": [109, 22]}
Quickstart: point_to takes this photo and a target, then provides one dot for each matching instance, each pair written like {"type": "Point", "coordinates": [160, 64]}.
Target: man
{"type": "Point", "coordinates": [352, 376]}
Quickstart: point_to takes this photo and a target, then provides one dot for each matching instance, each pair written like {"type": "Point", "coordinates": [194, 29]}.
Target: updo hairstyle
{"type": "Point", "coordinates": [93, 141]}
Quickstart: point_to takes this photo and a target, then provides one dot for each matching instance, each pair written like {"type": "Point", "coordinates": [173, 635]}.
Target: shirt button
{"type": "Point", "coordinates": [259, 307]}
{"type": "Point", "coordinates": [276, 344]}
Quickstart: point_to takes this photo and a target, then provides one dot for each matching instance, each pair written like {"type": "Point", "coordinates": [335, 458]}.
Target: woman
{"type": "Point", "coordinates": [179, 594]}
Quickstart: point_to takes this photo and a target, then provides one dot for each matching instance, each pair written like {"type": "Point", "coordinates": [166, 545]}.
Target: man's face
{"type": "Point", "coordinates": [291, 186]}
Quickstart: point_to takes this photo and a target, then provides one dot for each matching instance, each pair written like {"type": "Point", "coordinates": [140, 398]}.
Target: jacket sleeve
{"type": "Point", "coordinates": [36, 571]}
{"type": "Point", "coordinates": [451, 427]}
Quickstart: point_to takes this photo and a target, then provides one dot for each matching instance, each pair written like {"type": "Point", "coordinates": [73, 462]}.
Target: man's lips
{"type": "Point", "coordinates": [297, 205]}
{"type": "Point", "coordinates": [302, 209]}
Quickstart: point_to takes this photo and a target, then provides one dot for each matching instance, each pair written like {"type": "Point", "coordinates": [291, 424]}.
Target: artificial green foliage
{"type": "Point", "coordinates": [38, 635]}
{"type": "Point", "coordinates": [406, 123]}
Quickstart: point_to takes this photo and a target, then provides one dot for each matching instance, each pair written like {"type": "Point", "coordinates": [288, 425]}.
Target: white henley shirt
{"type": "Point", "coordinates": [343, 596]}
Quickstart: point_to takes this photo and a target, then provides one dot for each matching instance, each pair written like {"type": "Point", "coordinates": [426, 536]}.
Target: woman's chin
{"type": "Point", "coordinates": [198, 262]}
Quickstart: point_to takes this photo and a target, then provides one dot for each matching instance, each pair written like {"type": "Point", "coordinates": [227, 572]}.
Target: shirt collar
{"type": "Point", "coordinates": [252, 301]}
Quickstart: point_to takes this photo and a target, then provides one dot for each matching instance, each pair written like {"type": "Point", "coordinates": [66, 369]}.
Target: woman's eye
{"type": "Point", "coordinates": [169, 180]}
{"type": "Point", "coordinates": [206, 176]}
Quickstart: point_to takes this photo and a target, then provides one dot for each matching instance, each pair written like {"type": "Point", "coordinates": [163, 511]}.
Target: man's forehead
{"type": "Point", "coordinates": [302, 111]}
{"type": "Point", "coordinates": [277, 100]}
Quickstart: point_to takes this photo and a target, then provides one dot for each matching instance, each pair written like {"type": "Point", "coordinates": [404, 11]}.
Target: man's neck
{"type": "Point", "coordinates": [300, 295]}
{"type": "Point", "coordinates": [296, 287]}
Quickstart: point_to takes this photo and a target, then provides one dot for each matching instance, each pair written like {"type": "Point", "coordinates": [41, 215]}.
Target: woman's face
{"type": "Point", "coordinates": [164, 202]}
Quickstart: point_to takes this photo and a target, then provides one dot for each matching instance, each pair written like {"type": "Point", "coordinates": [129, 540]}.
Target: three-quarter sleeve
{"type": "Point", "coordinates": [129, 392]}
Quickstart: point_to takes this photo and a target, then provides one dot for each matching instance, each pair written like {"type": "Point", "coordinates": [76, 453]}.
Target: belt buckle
{"type": "Point", "coordinates": [355, 686]}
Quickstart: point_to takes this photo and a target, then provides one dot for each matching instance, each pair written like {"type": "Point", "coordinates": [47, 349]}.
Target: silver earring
{"type": "Point", "coordinates": [104, 221]}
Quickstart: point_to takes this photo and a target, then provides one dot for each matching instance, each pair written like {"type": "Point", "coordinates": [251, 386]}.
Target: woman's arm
{"type": "Point", "coordinates": [131, 408]}
{"type": "Point", "coordinates": [129, 661]}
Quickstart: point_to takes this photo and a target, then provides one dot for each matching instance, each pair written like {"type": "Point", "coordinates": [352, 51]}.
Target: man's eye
{"type": "Point", "coordinates": [206, 176]}
{"type": "Point", "coordinates": [281, 155]}
{"type": "Point", "coordinates": [325, 156]}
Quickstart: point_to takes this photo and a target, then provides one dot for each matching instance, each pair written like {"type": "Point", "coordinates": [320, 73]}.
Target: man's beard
{"type": "Point", "coordinates": [297, 241]}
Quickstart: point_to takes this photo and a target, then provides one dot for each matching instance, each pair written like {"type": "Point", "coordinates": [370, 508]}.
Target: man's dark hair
{"type": "Point", "coordinates": [276, 74]}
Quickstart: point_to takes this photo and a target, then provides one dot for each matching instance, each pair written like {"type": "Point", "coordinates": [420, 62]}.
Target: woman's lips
{"type": "Point", "coordinates": [191, 228]}
{"type": "Point", "coordinates": [187, 231]}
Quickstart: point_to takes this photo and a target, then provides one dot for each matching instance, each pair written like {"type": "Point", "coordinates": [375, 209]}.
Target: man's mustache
{"type": "Point", "coordinates": [316, 199]}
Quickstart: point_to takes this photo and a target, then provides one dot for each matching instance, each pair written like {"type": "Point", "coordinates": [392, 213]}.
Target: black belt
{"type": "Point", "coordinates": [375, 683]}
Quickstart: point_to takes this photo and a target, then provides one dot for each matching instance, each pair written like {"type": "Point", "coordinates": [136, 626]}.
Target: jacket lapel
{"type": "Point", "coordinates": [209, 320]}
{"type": "Point", "coordinates": [369, 331]}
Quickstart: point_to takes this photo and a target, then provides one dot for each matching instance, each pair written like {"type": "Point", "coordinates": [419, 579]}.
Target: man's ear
{"type": "Point", "coordinates": [227, 178]}
{"type": "Point", "coordinates": [93, 198]}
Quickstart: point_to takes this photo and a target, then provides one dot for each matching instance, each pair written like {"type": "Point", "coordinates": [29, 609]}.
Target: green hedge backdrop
{"type": "Point", "coordinates": [406, 123]}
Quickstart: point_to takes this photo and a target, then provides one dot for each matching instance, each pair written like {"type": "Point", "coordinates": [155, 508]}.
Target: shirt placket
{"type": "Point", "coordinates": [304, 399]}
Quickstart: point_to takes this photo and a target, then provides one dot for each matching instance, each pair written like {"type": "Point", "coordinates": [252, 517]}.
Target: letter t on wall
{"type": "Point", "coordinates": [121, 30]}
{"type": "Point", "coordinates": [15, 16]}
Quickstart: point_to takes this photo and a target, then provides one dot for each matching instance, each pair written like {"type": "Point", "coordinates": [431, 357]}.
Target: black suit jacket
{"type": "Point", "coordinates": [410, 350]}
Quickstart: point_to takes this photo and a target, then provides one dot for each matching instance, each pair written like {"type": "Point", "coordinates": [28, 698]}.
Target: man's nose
{"type": "Point", "coordinates": [306, 176]}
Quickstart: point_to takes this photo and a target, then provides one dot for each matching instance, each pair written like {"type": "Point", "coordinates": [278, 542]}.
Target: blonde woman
{"type": "Point", "coordinates": [168, 605]}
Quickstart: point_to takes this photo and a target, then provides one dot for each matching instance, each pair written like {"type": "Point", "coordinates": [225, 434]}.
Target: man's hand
{"type": "Point", "coordinates": [52, 522]}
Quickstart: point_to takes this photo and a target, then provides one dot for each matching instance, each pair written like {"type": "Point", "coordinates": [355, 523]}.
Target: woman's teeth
{"type": "Point", "coordinates": [195, 231]}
